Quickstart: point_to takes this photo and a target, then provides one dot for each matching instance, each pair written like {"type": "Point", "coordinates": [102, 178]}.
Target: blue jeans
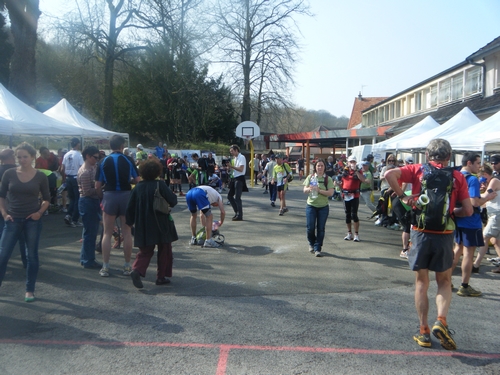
{"type": "Point", "coordinates": [315, 224]}
{"type": "Point", "coordinates": [272, 192]}
{"type": "Point", "coordinates": [31, 230]}
{"type": "Point", "coordinates": [74, 196]}
{"type": "Point", "coordinates": [90, 211]}
{"type": "Point", "coordinates": [22, 242]}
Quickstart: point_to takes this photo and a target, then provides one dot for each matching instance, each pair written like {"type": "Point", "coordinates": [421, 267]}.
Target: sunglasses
{"type": "Point", "coordinates": [391, 161]}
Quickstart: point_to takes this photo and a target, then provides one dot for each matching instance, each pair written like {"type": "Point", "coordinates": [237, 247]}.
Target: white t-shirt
{"type": "Point", "coordinates": [212, 194]}
{"type": "Point", "coordinates": [239, 161]}
{"type": "Point", "coordinates": [72, 162]}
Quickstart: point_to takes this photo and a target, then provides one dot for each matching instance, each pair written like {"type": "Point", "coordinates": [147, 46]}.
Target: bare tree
{"type": "Point", "coordinates": [258, 42]}
{"type": "Point", "coordinates": [23, 16]}
{"type": "Point", "coordinates": [106, 29]}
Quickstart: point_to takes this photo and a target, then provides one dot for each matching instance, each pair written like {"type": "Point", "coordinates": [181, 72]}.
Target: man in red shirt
{"type": "Point", "coordinates": [47, 160]}
{"type": "Point", "coordinates": [432, 250]}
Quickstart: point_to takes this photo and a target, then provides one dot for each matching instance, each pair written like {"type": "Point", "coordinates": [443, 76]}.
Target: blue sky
{"type": "Point", "coordinates": [385, 46]}
{"type": "Point", "coordinates": [379, 47]}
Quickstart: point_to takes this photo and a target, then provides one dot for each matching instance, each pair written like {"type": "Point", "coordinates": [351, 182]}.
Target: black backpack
{"type": "Point", "coordinates": [437, 184]}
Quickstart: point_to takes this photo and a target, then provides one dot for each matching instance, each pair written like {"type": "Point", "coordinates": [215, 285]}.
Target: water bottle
{"type": "Point", "coordinates": [61, 188]}
{"type": "Point", "coordinates": [215, 225]}
{"type": "Point", "coordinates": [313, 183]}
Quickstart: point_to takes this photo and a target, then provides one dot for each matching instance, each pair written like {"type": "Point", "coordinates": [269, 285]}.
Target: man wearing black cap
{"type": "Point", "coordinates": [71, 163]}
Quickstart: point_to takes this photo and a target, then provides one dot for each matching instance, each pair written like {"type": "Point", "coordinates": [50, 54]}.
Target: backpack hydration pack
{"type": "Point", "coordinates": [437, 184]}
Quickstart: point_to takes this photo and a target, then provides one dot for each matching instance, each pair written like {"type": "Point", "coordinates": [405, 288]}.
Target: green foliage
{"type": "Point", "coordinates": [170, 98]}
{"type": "Point", "coordinates": [6, 51]}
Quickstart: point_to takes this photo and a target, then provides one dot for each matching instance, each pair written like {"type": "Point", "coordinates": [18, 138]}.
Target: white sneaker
{"type": "Point", "coordinates": [211, 243]}
{"type": "Point", "coordinates": [193, 241]}
{"type": "Point", "coordinates": [378, 222]}
{"type": "Point", "coordinates": [104, 272]}
{"type": "Point", "coordinates": [403, 254]}
{"type": "Point", "coordinates": [356, 238]}
{"type": "Point", "coordinates": [348, 237]}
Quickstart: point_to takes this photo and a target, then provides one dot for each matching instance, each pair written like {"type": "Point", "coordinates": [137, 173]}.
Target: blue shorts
{"type": "Point", "coordinates": [469, 237]}
{"type": "Point", "coordinates": [197, 199]}
{"type": "Point", "coordinates": [114, 203]}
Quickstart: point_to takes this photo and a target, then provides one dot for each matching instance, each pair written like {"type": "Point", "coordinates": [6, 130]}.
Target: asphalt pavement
{"type": "Point", "coordinates": [261, 304]}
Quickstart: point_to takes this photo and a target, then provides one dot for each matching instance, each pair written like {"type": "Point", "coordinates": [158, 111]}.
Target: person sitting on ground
{"type": "Point", "coordinates": [151, 228]}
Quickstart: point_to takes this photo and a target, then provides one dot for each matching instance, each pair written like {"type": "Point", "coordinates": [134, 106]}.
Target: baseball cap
{"type": "Point", "coordinates": [280, 155]}
{"type": "Point", "coordinates": [352, 158]}
{"type": "Point", "coordinates": [164, 145]}
{"type": "Point", "coordinates": [495, 158]}
{"type": "Point", "coordinates": [272, 156]}
{"type": "Point", "coordinates": [369, 157]}
{"type": "Point", "coordinates": [365, 162]}
{"type": "Point", "coordinates": [139, 146]}
{"type": "Point", "coordinates": [64, 150]}
{"type": "Point", "coordinates": [6, 153]}
{"type": "Point", "coordinates": [409, 160]}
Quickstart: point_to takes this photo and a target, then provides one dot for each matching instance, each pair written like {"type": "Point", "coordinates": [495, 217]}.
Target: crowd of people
{"type": "Point", "coordinates": [445, 213]}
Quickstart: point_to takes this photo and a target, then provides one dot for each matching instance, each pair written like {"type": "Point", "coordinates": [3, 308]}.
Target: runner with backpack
{"type": "Point", "coordinates": [436, 191]}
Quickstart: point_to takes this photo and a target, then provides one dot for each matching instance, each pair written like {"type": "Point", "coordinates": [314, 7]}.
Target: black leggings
{"type": "Point", "coordinates": [351, 210]}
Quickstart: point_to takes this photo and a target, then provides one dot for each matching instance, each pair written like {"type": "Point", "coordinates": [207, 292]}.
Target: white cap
{"type": "Point", "coordinates": [352, 158]}
{"type": "Point", "coordinates": [139, 146]}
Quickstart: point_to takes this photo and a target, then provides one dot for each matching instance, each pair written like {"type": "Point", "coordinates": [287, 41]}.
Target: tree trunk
{"type": "Point", "coordinates": [23, 16]}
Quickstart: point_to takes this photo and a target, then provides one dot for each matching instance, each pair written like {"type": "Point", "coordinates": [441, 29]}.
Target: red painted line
{"type": "Point", "coordinates": [223, 355]}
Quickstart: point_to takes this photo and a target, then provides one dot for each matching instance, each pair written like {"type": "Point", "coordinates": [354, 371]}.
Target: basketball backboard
{"type": "Point", "coordinates": [247, 130]}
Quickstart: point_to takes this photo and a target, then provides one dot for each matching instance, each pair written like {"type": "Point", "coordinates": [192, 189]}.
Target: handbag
{"type": "Point", "coordinates": [160, 204]}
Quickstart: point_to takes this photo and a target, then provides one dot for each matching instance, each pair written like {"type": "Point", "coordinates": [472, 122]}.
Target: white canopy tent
{"type": "Point", "coordinates": [65, 112]}
{"type": "Point", "coordinates": [482, 137]}
{"type": "Point", "coordinates": [461, 121]}
{"type": "Point", "coordinates": [17, 118]}
{"type": "Point", "coordinates": [419, 128]}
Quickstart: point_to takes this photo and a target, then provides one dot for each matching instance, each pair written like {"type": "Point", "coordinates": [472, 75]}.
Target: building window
{"type": "Point", "coordinates": [418, 101]}
{"type": "Point", "coordinates": [433, 96]}
{"type": "Point", "coordinates": [398, 109]}
{"type": "Point", "coordinates": [445, 91]}
{"type": "Point", "coordinates": [457, 86]}
{"type": "Point", "coordinates": [473, 81]}
{"type": "Point", "coordinates": [391, 111]}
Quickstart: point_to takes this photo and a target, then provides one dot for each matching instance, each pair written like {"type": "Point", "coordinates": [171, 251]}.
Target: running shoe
{"type": "Point", "coordinates": [443, 334]}
{"type": "Point", "coordinates": [403, 254]}
{"type": "Point", "coordinates": [311, 249]}
{"type": "Point", "coordinates": [127, 271]}
{"type": "Point", "coordinates": [348, 237]}
{"type": "Point", "coordinates": [281, 212]}
{"type": "Point", "coordinates": [318, 254]}
{"type": "Point", "coordinates": [193, 241]}
{"type": "Point", "coordinates": [67, 220]}
{"type": "Point", "coordinates": [423, 339]}
{"type": "Point", "coordinates": [356, 238]}
{"type": "Point", "coordinates": [468, 292]}
{"type": "Point", "coordinates": [104, 272]}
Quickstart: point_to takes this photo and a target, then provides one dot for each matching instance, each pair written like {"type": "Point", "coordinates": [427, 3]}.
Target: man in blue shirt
{"type": "Point", "coordinates": [469, 231]}
{"type": "Point", "coordinates": [159, 150]}
{"type": "Point", "coordinates": [115, 175]}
